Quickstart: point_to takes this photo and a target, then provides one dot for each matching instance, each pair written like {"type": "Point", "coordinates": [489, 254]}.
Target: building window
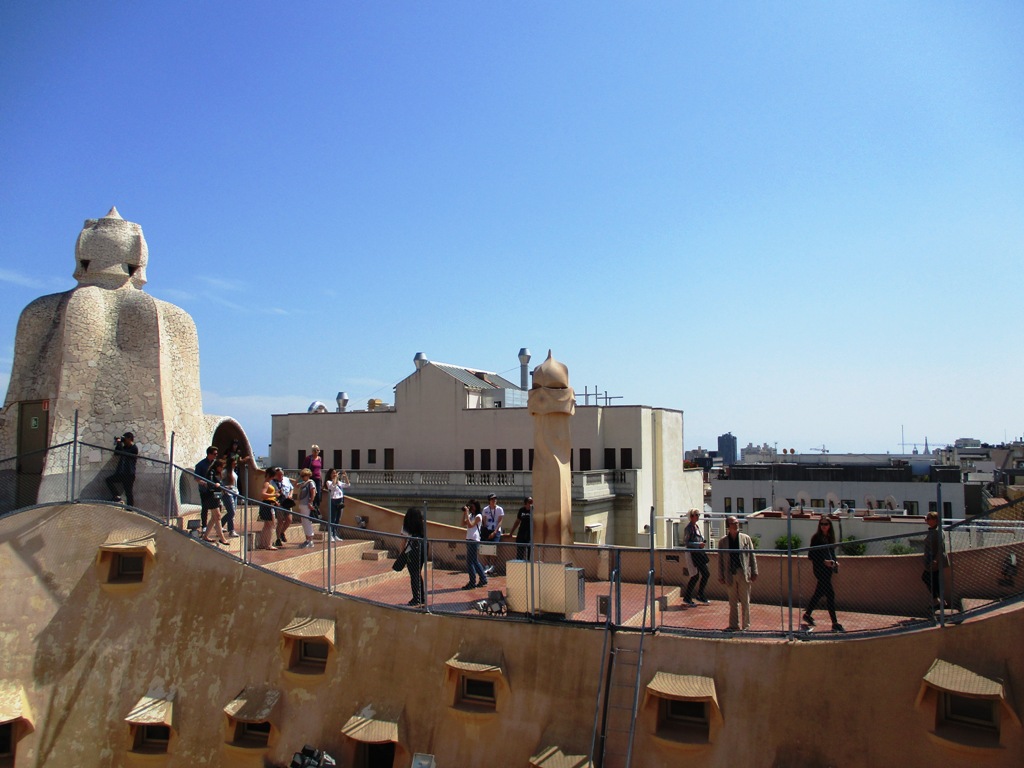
{"type": "Point", "coordinates": [310, 656]}
{"type": "Point", "coordinates": [982, 714]}
{"type": "Point", "coordinates": [572, 459]}
{"type": "Point", "coordinates": [933, 506]}
{"type": "Point", "coordinates": [584, 459]}
{"type": "Point", "coordinates": [476, 691]}
{"type": "Point", "coordinates": [502, 458]}
{"type": "Point", "coordinates": [151, 739]}
{"type": "Point", "coordinates": [728, 504]}
{"type": "Point", "coordinates": [302, 459]}
{"type": "Point", "coordinates": [467, 459]}
{"type": "Point", "coordinates": [684, 708]}
{"type": "Point", "coordinates": [531, 459]}
{"type": "Point", "coordinates": [252, 734]}
{"type": "Point", "coordinates": [517, 459]}
{"type": "Point", "coordinates": [849, 503]}
{"type": "Point", "coordinates": [355, 458]}
{"type": "Point", "coordinates": [740, 505]}
{"type": "Point", "coordinates": [371, 455]}
{"type": "Point", "coordinates": [947, 510]}
{"type": "Point", "coordinates": [485, 459]}
{"type": "Point", "coordinates": [609, 458]}
{"type": "Point", "coordinates": [128, 568]}
{"type": "Point", "coordinates": [121, 565]}
{"type": "Point", "coordinates": [760, 502]}
{"type": "Point", "coordinates": [817, 503]}
{"type": "Point", "coordinates": [969, 709]}
{"type": "Point", "coordinates": [389, 458]}
{"type": "Point", "coordinates": [338, 460]}
{"type": "Point", "coordinates": [910, 507]}
{"type": "Point", "coordinates": [626, 458]}
{"type": "Point", "coordinates": [308, 643]}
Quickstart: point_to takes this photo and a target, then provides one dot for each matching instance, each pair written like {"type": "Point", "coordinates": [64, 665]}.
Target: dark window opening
{"type": "Point", "coordinates": [130, 269]}
{"type": "Point", "coordinates": [485, 459]}
{"type": "Point", "coordinates": [128, 568]}
{"type": "Point", "coordinates": [626, 458]}
{"type": "Point", "coordinates": [337, 460]}
{"type": "Point", "coordinates": [85, 264]}
{"type": "Point", "coordinates": [302, 458]}
{"type": "Point", "coordinates": [389, 458]}
{"type": "Point", "coordinates": [252, 734]}
{"type": "Point", "coordinates": [609, 458]}
{"type": "Point", "coordinates": [467, 459]}
{"type": "Point", "coordinates": [354, 463]}
{"type": "Point", "coordinates": [531, 459]}
{"type": "Point", "coordinates": [371, 455]}
{"type": "Point", "coordinates": [584, 459]}
{"type": "Point", "coordinates": [502, 459]}
{"type": "Point", "coordinates": [151, 739]}
{"type": "Point", "coordinates": [517, 459]}
{"type": "Point", "coordinates": [477, 691]}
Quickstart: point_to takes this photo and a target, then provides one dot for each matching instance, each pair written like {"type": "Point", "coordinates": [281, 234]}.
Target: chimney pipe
{"type": "Point", "coordinates": [524, 361]}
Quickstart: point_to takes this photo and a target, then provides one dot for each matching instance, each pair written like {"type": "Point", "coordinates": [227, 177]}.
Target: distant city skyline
{"type": "Point", "coordinates": [791, 222]}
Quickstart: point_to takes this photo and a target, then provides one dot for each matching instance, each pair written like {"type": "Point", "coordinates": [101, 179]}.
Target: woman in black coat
{"type": "Point", "coordinates": [415, 528]}
{"type": "Point", "coordinates": [824, 564]}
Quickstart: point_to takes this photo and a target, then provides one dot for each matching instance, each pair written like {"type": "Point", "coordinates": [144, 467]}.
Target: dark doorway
{"type": "Point", "coordinates": [33, 434]}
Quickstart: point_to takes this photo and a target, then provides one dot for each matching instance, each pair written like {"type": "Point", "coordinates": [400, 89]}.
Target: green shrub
{"type": "Point", "coordinates": [783, 542]}
{"type": "Point", "coordinates": [852, 547]}
{"type": "Point", "coordinates": [757, 540]}
{"type": "Point", "coordinates": [898, 548]}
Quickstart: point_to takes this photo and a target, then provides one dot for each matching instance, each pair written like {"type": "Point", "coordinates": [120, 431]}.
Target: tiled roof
{"type": "Point", "coordinates": [468, 376]}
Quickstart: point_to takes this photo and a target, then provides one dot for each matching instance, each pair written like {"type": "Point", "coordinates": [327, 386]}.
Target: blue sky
{"type": "Point", "coordinates": [799, 222]}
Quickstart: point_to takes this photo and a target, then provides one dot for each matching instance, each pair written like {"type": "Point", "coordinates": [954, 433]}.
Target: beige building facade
{"type": "Point", "coordinates": [451, 435]}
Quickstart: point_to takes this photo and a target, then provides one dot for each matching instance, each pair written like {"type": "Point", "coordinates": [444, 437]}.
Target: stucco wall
{"type": "Point", "coordinates": [210, 626]}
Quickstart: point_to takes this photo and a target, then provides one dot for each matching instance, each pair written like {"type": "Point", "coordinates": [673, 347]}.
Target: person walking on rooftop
{"type": "Point", "coordinates": [737, 569]}
{"type": "Point", "coordinates": [490, 532]}
{"type": "Point", "coordinates": [934, 558]}
{"type": "Point", "coordinates": [694, 542]}
{"type": "Point", "coordinates": [522, 529]}
{"type": "Point", "coordinates": [307, 496]}
{"type": "Point", "coordinates": [824, 564]}
{"type": "Point", "coordinates": [315, 464]}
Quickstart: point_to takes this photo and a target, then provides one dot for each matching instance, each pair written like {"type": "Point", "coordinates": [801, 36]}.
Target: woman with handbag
{"type": "Point", "coordinates": [269, 500]}
{"type": "Point", "coordinates": [413, 527]}
{"type": "Point", "coordinates": [824, 564]}
{"type": "Point", "coordinates": [694, 542]}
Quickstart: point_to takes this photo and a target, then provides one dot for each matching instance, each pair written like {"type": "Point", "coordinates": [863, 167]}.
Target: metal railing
{"type": "Point", "coordinates": [622, 587]}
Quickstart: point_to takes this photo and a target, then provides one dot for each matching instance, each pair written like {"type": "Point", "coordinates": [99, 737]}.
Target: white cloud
{"type": "Point", "coordinates": [17, 278]}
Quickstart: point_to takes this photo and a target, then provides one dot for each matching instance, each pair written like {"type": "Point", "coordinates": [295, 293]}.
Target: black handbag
{"type": "Point", "coordinates": [400, 561]}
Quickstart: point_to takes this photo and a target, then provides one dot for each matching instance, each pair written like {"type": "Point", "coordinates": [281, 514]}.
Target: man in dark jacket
{"type": "Point", "coordinates": [127, 453]}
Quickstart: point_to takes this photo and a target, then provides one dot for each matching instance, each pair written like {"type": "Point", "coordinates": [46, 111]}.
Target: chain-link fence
{"type": "Point", "coordinates": [831, 591]}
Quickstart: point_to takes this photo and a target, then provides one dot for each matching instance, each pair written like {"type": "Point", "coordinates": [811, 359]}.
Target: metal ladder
{"type": "Point", "coordinates": [618, 695]}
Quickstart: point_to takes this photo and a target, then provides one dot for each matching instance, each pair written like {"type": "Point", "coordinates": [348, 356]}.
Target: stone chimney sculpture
{"type": "Point", "coordinates": [121, 359]}
{"type": "Point", "coordinates": [551, 403]}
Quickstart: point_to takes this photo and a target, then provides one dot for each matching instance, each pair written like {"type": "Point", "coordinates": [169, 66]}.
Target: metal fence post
{"type": "Point", "coordinates": [73, 494]}
{"type": "Point", "coordinates": [170, 481]}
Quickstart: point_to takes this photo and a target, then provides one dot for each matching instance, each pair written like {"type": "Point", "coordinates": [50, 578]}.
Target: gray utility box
{"type": "Point", "coordinates": [544, 587]}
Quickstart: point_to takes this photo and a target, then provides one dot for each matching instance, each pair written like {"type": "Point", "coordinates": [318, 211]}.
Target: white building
{"type": "Point", "coordinates": [896, 485]}
{"type": "Point", "coordinates": [455, 432]}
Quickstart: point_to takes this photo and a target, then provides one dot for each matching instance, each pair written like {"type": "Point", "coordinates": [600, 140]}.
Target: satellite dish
{"type": "Point", "coordinates": [890, 503]}
{"type": "Point", "coordinates": [803, 498]}
{"type": "Point", "coordinates": [871, 502]}
{"type": "Point", "coordinates": [832, 502]}
{"type": "Point", "coordinates": [781, 505]}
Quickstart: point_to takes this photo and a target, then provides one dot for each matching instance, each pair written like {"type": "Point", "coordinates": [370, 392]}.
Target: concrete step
{"type": "Point", "coordinates": [668, 597]}
{"type": "Point", "coordinates": [384, 577]}
{"type": "Point", "coordinates": [375, 554]}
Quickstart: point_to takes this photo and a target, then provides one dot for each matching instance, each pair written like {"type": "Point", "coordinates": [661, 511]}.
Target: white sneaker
{"type": "Point", "coordinates": [232, 535]}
